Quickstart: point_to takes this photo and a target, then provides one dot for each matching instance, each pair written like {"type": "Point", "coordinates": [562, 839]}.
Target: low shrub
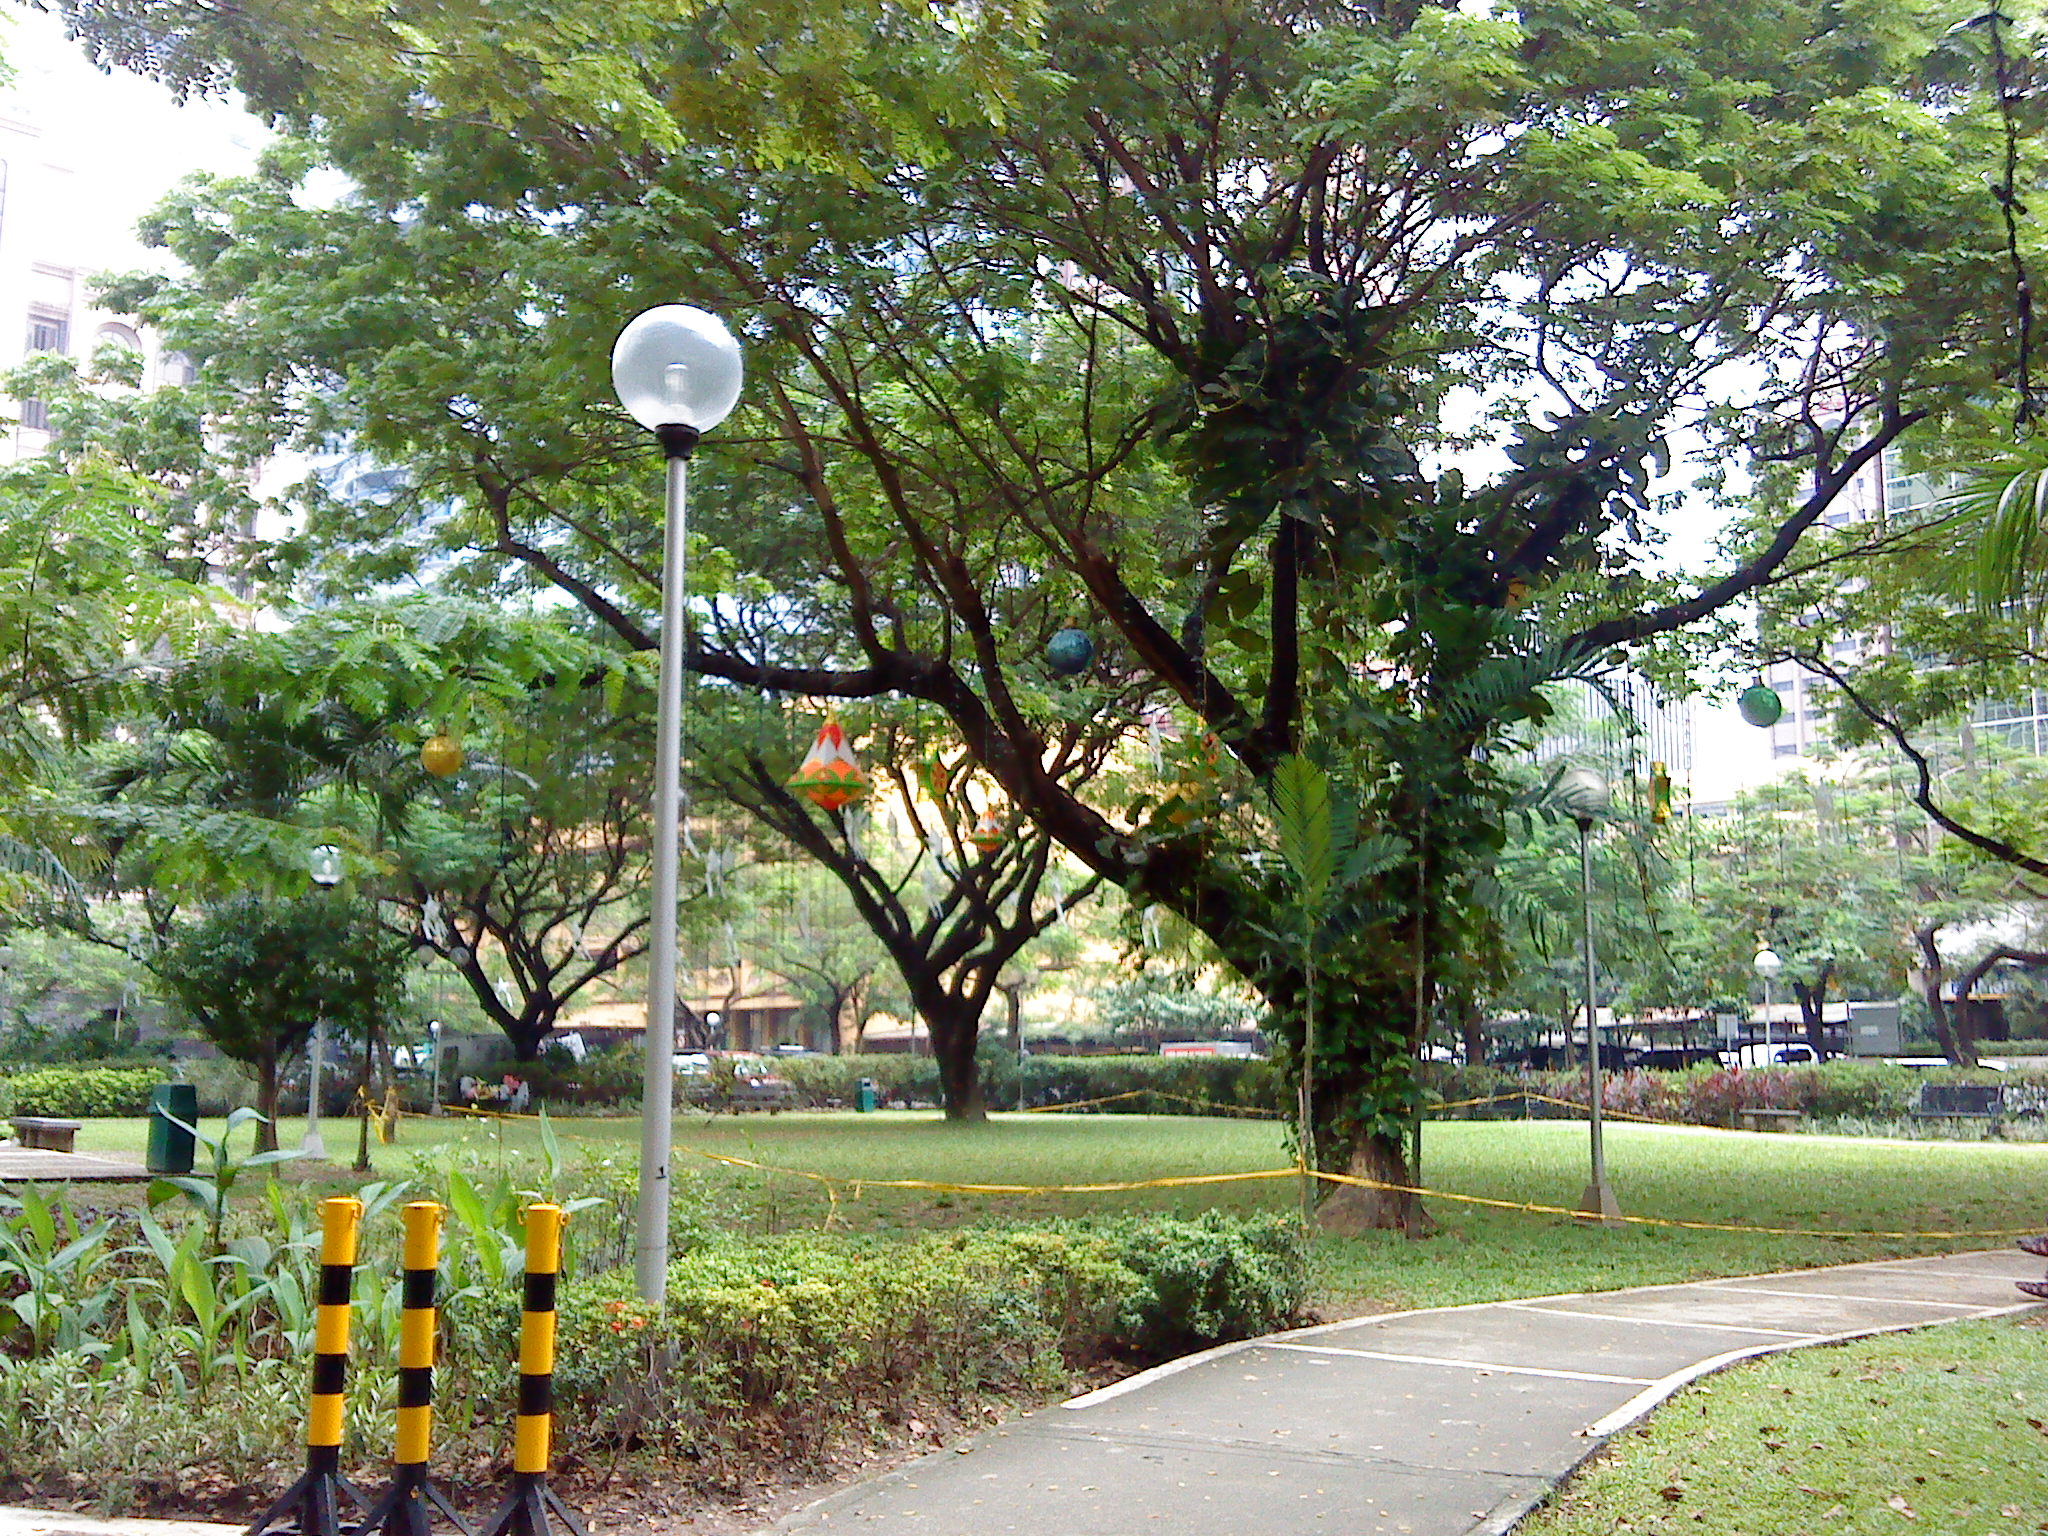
{"type": "Point", "coordinates": [81, 1092]}
{"type": "Point", "coordinates": [1841, 1091]}
{"type": "Point", "coordinates": [603, 1079]}
{"type": "Point", "coordinates": [775, 1349]}
{"type": "Point", "coordinates": [221, 1082]}
{"type": "Point", "coordinates": [1207, 1280]}
{"type": "Point", "coordinates": [1162, 1085]}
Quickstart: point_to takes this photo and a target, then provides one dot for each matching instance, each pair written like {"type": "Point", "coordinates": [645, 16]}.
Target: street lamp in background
{"type": "Point", "coordinates": [434, 1052]}
{"type": "Point", "coordinates": [1583, 795]}
{"type": "Point", "coordinates": [677, 372]}
{"type": "Point", "coordinates": [324, 865]}
{"type": "Point", "coordinates": [1767, 966]}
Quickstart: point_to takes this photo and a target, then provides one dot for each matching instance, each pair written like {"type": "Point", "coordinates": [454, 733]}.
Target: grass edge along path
{"type": "Point", "coordinates": [1939, 1428]}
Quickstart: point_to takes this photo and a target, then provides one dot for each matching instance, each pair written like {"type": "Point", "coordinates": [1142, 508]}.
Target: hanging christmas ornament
{"type": "Point", "coordinates": [829, 777]}
{"type": "Point", "coordinates": [1761, 705]}
{"type": "Point", "coordinates": [988, 832]}
{"type": "Point", "coordinates": [1068, 652]}
{"type": "Point", "coordinates": [441, 755]}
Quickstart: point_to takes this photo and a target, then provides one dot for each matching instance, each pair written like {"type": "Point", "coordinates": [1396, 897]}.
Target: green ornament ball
{"type": "Point", "coordinates": [1069, 652]}
{"type": "Point", "coordinates": [1761, 706]}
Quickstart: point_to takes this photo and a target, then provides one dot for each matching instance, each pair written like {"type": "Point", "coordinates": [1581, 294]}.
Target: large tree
{"type": "Point", "coordinates": [1161, 318]}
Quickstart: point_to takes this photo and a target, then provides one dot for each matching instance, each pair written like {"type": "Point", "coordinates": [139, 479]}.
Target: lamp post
{"type": "Point", "coordinates": [1767, 966]}
{"type": "Point", "coordinates": [677, 372]}
{"type": "Point", "coordinates": [1583, 794]}
{"type": "Point", "coordinates": [324, 865]}
{"type": "Point", "coordinates": [434, 1051]}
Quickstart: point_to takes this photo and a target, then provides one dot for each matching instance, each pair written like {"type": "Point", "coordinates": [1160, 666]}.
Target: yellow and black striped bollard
{"type": "Point", "coordinates": [310, 1502]}
{"type": "Point", "coordinates": [404, 1509]}
{"type": "Point", "coordinates": [525, 1513]}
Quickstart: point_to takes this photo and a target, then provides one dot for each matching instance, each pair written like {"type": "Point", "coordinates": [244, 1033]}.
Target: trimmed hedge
{"type": "Point", "coordinates": [1706, 1095]}
{"type": "Point", "coordinates": [1166, 1082]}
{"type": "Point", "coordinates": [80, 1092]}
{"type": "Point", "coordinates": [777, 1350]}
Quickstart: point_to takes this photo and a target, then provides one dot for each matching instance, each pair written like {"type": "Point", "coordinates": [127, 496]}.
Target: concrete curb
{"type": "Point", "coordinates": [15, 1521]}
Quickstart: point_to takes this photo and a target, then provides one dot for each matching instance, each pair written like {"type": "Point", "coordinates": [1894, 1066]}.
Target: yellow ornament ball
{"type": "Point", "coordinates": [441, 755]}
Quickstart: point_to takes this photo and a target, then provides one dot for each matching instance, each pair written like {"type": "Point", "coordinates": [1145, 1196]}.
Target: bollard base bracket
{"type": "Point", "coordinates": [407, 1508]}
{"type": "Point", "coordinates": [310, 1507]}
{"type": "Point", "coordinates": [527, 1511]}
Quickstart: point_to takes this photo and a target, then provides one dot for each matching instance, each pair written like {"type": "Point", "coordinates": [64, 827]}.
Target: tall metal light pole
{"type": "Point", "coordinates": [677, 372]}
{"type": "Point", "coordinates": [1584, 795]}
{"type": "Point", "coordinates": [324, 865]}
{"type": "Point", "coordinates": [1767, 966]}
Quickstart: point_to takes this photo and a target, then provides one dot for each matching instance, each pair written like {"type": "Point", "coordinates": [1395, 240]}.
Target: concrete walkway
{"type": "Point", "coordinates": [1447, 1422]}
{"type": "Point", "coordinates": [30, 1165]}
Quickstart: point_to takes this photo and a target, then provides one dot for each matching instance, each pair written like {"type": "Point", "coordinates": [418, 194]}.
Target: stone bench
{"type": "Point", "coordinates": [1767, 1119]}
{"type": "Point", "coordinates": [41, 1134]}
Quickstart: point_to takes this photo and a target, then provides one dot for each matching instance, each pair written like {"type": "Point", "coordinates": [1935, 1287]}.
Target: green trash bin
{"type": "Point", "coordinates": [170, 1146]}
{"type": "Point", "coordinates": [864, 1096]}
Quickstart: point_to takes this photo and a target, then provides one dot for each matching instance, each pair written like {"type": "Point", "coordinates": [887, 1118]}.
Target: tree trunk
{"type": "Point", "coordinates": [266, 1099]}
{"type": "Point", "coordinates": [960, 1078]}
{"type": "Point", "coordinates": [1366, 1024]}
{"type": "Point", "coordinates": [1350, 1209]}
{"type": "Point", "coordinates": [1472, 1026]}
{"type": "Point", "coordinates": [1948, 1028]}
{"type": "Point", "coordinates": [1812, 1001]}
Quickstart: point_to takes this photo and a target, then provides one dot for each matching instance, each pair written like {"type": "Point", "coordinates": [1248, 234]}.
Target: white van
{"type": "Point", "coordinates": [1779, 1053]}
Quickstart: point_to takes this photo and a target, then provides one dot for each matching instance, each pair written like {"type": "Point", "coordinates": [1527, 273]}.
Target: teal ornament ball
{"type": "Point", "coordinates": [1069, 652]}
{"type": "Point", "coordinates": [1761, 706]}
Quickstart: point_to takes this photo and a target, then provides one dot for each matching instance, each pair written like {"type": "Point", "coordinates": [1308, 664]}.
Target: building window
{"type": "Point", "coordinates": [48, 331]}
{"type": "Point", "coordinates": [35, 415]}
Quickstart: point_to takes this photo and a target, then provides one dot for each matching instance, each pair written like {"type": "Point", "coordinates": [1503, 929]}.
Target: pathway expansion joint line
{"type": "Point", "coordinates": [1274, 1450]}
{"type": "Point", "coordinates": [1481, 1367]}
{"type": "Point", "coordinates": [1882, 1301]}
{"type": "Point", "coordinates": [1665, 1322]}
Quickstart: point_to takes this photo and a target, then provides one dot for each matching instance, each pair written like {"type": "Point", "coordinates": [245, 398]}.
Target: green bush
{"type": "Point", "coordinates": [604, 1079]}
{"type": "Point", "coordinates": [1867, 1091]}
{"type": "Point", "coordinates": [223, 1084]}
{"type": "Point", "coordinates": [775, 1349]}
{"type": "Point", "coordinates": [1165, 1085]}
{"type": "Point", "coordinates": [81, 1092]}
{"type": "Point", "coordinates": [1207, 1280]}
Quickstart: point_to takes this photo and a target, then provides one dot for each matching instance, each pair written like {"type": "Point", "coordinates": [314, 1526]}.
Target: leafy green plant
{"type": "Point", "coordinates": [208, 1193]}
{"type": "Point", "coordinates": [55, 1277]}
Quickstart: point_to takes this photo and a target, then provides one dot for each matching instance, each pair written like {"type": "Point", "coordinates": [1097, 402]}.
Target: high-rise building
{"type": "Point", "coordinates": [82, 156]}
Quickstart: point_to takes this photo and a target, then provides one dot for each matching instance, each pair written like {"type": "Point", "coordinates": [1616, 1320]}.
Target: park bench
{"type": "Point", "coordinates": [1767, 1119]}
{"type": "Point", "coordinates": [1960, 1101]}
{"type": "Point", "coordinates": [42, 1134]}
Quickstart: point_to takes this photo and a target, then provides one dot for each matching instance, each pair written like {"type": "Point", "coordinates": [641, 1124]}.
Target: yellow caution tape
{"type": "Point", "coordinates": [832, 1184]}
{"type": "Point", "coordinates": [1184, 1181]}
{"type": "Point", "coordinates": [1535, 1208]}
{"type": "Point", "coordinates": [1177, 1181]}
{"type": "Point", "coordinates": [1209, 1105]}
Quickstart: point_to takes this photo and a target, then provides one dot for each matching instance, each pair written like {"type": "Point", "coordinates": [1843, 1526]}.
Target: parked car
{"type": "Point", "coordinates": [1781, 1053]}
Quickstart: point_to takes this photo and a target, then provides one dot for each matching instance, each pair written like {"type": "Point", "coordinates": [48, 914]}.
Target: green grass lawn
{"type": "Point", "coordinates": [1848, 1189]}
{"type": "Point", "coordinates": [1937, 1431]}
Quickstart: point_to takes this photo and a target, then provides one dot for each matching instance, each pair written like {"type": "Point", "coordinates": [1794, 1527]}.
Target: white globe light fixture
{"type": "Point", "coordinates": [1584, 795]}
{"type": "Point", "coordinates": [677, 367]}
{"type": "Point", "coordinates": [1767, 965]}
{"type": "Point", "coordinates": [677, 372]}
